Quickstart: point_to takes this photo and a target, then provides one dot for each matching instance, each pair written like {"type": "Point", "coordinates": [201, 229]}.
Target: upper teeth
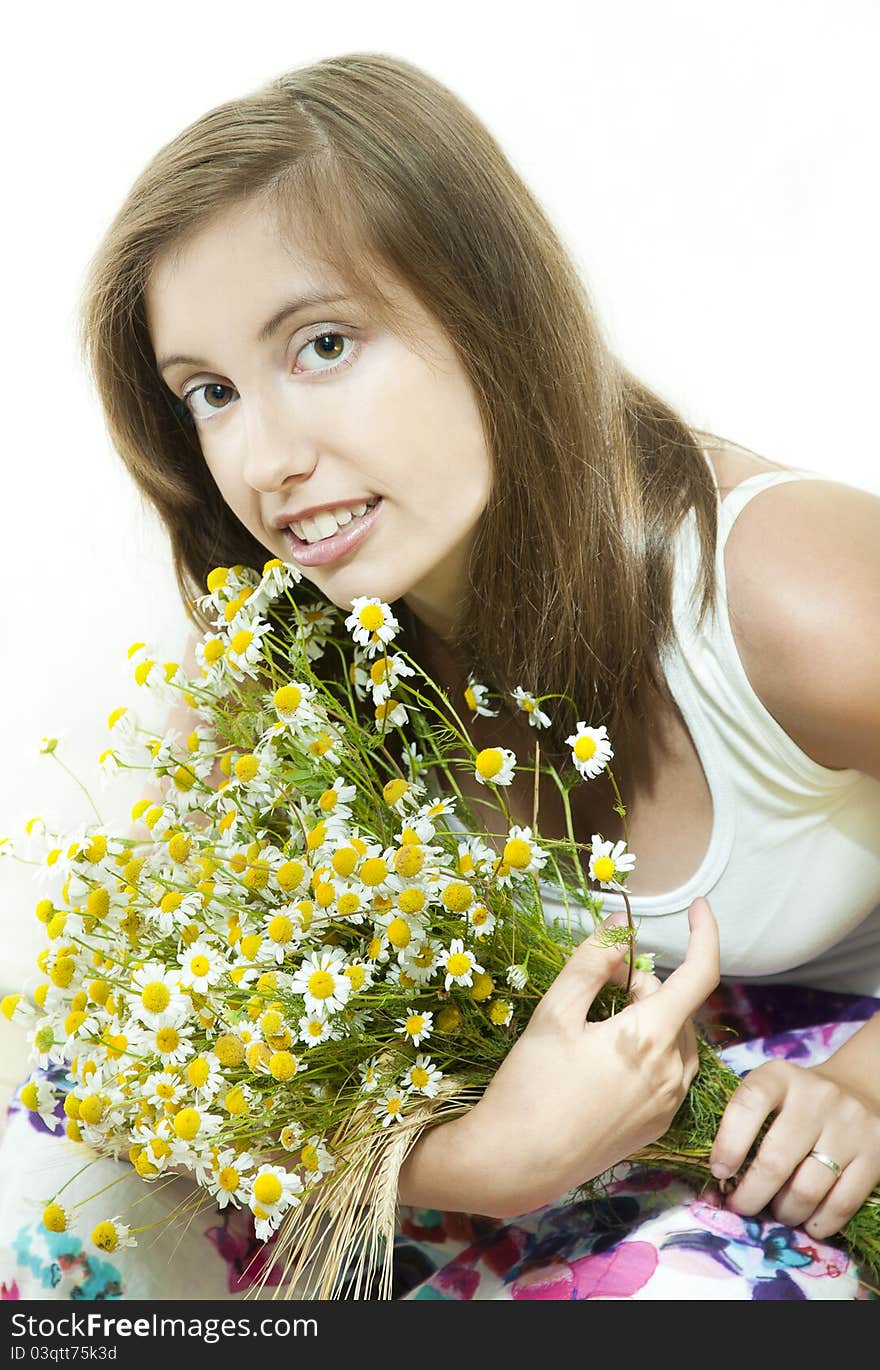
{"type": "Point", "coordinates": [328, 521]}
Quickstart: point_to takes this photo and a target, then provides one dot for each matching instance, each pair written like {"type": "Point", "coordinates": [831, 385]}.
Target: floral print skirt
{"type": "Point", "coordinates": [649, 1236]}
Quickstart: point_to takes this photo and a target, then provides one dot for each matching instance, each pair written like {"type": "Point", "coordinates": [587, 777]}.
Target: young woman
{"type": "Point", "coordinates": [337, 293]}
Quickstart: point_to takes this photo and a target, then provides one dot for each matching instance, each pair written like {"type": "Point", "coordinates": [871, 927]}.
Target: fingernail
{"type": "Point", "coordinates": [720, 1171]}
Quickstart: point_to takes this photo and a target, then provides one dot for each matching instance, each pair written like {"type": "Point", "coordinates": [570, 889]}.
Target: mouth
{"type": "Point", "coordinates": [344, 540]}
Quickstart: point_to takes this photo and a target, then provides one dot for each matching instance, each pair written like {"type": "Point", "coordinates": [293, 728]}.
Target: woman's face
{"type": "Point", "coordinates": [330, 410]}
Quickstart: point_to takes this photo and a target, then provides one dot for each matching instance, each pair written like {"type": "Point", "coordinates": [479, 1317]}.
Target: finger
{"type": "Point", "coordinates": [690, 985]}
{"type": "Point", "coordinates": [588, 968]}
{"type": "Point", "coordinates": [779, 1164]}
{"type": "Point", "coordinates": [843, 1199]}
{"type": "Point", "coordinates": [642, 985]}
{"type": "Point", "coordinates": [809, 1186]}
{"type": "Point", "coordinates": [754, 1098]}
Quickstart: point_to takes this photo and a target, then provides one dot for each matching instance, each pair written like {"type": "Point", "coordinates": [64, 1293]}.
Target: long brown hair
{"type": "Point", "coordinates": [571, 565]}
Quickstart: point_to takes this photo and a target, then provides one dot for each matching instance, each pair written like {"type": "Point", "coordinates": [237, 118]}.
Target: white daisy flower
{"type": "Point", "coordinates": [156, 998]}
{"type": "Point", "coordinates": [460, 964]}
{"type": "Point", "coordinates": [412, 759]}
{"type": "Point", "coordinates": [416, 1025]}
{"type": "Point", "coordinates": [529, 705]}
{"type": "Point", "coordinates": [477, 699]}
{"type": "Point", "coordinates": [386, 673]}
{"type": "Point", "coordinates": [313, 1030]}
{"type": "Point", "coordinates": [608, 860]}
{"type": "Point", "coordinates": [495, 766]}
{"type": "Point", "coordinates": [475, 857]}
{"type": "Point", "coordinates": [38, 1096]}
{"type": "Point", "coordinates": [371, 624]}
{"type": "Point", "coordinates": [522, 852]}
{"type": "Point", "coordinates": [295, 704]}
{"type": "Point", "coordinates": [517, 976]}
{"type": "Point", "coordinates": [272, 1190]}
{"type": "Point", "coordinates": [244, 649]}
{"type": "Point", "coordinates": [421, 959]}
{"type": "Point", "coordinates": [170, 1044]}
{"type": "Point", "coordinates": [111, 1234]}
{"type": "Point", "coordinates": [230, 1177]}
{"type": "Point", "coordinates": [204, 1075]}
{"type": "Point", "coordinates": [201, 965]}
{"type": "Point", "coordinates": [322, 982]}
{"type": "Point", "coordinates": [391, 714]}
{"type": "Point", "coordinates": [423, 1077]}
{"type": "Point", "coordinates": [317, 621]}
{"type": "Point", "coordinates": [315, 1159]}
{"type": "Point", "coordinates": [369, 1073]}
{"type": "Point", "coordinates": [336, 801]}
{"type": "Point", "coordinates": [591, 750]}
{"type": "Point", "coordinates": [47, 1042]}
{"type": "Point", "coordinates": [481, 920]}
{"type": "Point", "coordinates": [389, 1107]}
{"type": "Point", "coordinates": [162, 1087]}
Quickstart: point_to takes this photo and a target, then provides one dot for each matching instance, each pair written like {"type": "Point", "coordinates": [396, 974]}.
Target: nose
{"type": "Point", "coordinates": [278, 450]}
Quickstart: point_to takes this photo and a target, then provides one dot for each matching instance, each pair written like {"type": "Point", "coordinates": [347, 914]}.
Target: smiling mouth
{"type": "Point", "coordinates": [336, 545]}
{"type": "Point", "coordinates": [362, 507]}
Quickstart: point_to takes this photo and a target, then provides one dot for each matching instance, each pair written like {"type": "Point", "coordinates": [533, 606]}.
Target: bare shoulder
{"type": "Point", "coordinates": [802, 563]}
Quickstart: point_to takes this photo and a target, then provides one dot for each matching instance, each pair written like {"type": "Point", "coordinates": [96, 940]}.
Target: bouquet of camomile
{"type": "Point", "coordinates": [310, 953]}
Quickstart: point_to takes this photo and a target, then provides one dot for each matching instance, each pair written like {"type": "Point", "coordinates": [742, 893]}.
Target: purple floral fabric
{"type": "Point", "coordinates": [649, 1236]}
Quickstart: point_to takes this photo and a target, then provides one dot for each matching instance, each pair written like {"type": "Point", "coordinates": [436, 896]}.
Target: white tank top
{"type": "Point", "coordinates": [792, 870]}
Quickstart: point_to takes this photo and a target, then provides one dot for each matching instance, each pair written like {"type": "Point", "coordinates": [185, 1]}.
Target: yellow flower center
{"type": "Point", "coordinates": [228, 1179]}
{"type": "Point", "coordinates": [517, 853]}
{"type": "Point", "coordinates": [167, 1039]}
{"type": "Point", "coordinates": [584, 748]}
{"type": "Point", "coordinates": [394, 790]}
{"type": "Point", "coordinates": [489, 762]}
{"type": "Point", "coordinates": [414, 1024]}
{"type": "Point", "coordinates": [459, 963]}
{"type": "Point", "coordinates": [236, 1102]}
{"type": "Point", "coordinates": [198, 1071]}
{"type": "Point", "coordinates": [247, 767]}
{"type": "Point", "coordinates": [54, 1218]}
{"type": "Point", "coordinates": [155, 997]}
{"type": "Point", "coordinates": [371, 617]}
{"type": "Point", "coordinates": [603, 868]}
{"type": "Point", "coordinates": [187, 1123]}
{"type": "Point", "coordinates": [448, 1019]}
{"type": "Point", "coordinates": [289, 874]}
{"type": "Point", "coordinates": [419, 1077]}
{"type": "Point", "coordinates": [457, 896]}
{"type": "Point", "coordinates": [398, 932]}
{"type": "Point", "coordinates": [241, 641]}
{"type": "Point", "coordinates": [282, 1065]}
{"type": "Point", "coordinates": [321, 984]}
{"type": "Point", "coordinates": [280, 929]}
{"type": "Point", "coordinates": [482, 987]}
{"type": "Point", "coordinates": [199, 965]}
{"type": "Point", "coordinates": [411, 900]}
{"type": "Point", "coordinates": [105, 1237]}
{"type": "Point", "coordinates": [267, 1189]}
{"type": "Point", "coordinates": [91, 1109]}
{"type": "Point", "coordinates": [373, 871]}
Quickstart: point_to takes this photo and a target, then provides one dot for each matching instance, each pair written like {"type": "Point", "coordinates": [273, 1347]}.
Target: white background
{"type": "Point", "coordinates": [711, 167]}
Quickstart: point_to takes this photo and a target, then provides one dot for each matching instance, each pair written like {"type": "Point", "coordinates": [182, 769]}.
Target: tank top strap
{"type": "Point", "coordinates": [733, 503]}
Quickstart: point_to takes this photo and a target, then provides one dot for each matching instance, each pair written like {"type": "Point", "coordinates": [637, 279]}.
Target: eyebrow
{"type": "Point", "coordinates": [268, 330]}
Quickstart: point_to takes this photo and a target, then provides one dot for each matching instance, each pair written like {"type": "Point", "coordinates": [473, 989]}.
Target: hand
{"type": "Point", "coordinates": [573, 1097]}
{"type": "Point", "coordinates": [813, 1113]}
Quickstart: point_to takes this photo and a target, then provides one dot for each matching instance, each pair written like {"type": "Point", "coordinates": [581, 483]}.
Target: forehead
{"type": "Point", "coordinates": [242, 249]}
{"type": "Point", "coordinates": [250, 260]}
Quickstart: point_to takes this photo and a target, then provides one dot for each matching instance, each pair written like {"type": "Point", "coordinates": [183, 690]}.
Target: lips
{"type": "Point", "coordinates": [338, 544]}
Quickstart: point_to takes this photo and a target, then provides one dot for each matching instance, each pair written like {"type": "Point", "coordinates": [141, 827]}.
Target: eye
{"type": "Point", "coordinates": [324, 345]}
